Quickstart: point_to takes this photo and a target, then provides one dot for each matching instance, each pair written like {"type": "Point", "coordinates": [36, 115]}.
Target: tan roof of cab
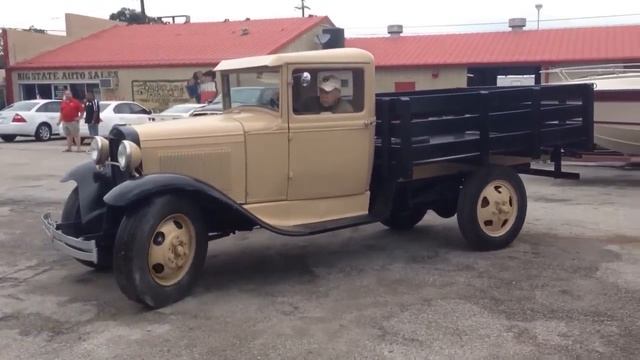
{"type": "Point", "coordinates": [342, 55]}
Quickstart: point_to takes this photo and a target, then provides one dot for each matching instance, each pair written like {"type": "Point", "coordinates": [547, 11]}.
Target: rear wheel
{"type": "Point", "coordinates": [71, 215]}
{"type": "Point", "coordinates": [8, 138]}
{"type": "Point", "coordinates": [160, 250]}
{"type": "Point", "coordinates": [492, 208]}
{"type": "Point", "coordinates": [43, 132]}
{"type": "Point", "coordinates": [404, 220]}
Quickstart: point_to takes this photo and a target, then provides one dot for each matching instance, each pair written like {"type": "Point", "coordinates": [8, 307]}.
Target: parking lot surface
{"type": "Point", "coordinates": [569, 287]}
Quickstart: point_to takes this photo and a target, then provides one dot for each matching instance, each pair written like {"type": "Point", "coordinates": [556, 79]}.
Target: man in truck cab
{"type": "Point", "coordinates": [329, 98]}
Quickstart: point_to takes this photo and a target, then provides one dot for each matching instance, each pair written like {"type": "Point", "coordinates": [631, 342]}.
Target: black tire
{"type": "Point", "coordinates": [43, 132]}
{"type": "Point", "coordinates": [8, 138]}
{"type": "Point", "coordinates": [71, 214]}
{"type": "Point", "coordinates": [476, 231]}
{"type": "Point", "coordinates": [132, 250]}
{"type": "Point", "coordinates": [446, 209]}
{"type": "Point", "coordinates": [404, 220]}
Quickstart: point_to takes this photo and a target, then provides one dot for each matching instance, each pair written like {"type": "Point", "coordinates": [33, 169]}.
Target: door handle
{"type": "Point", "coordinates": [368, 123]}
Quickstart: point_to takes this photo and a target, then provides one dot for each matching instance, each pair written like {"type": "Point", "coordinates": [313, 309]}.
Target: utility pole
{"type": "Point", "coordinates": [142, 8]}
{"type": "Point", "coordinates": [538, 7]}
{"type": "Point", "coordinates": [302, 7]}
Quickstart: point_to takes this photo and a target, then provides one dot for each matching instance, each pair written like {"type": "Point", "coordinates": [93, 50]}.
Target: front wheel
{"type": "Point", "coordinates": [160, 249]}
{"type": "Point", "coordinates": [492, 207]}
{"type": "Point", "coordinates": [8, 138]}
{"type": "Point", "coordinates": [71, 217]}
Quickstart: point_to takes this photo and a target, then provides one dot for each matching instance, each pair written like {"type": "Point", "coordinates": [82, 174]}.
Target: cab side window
{"type": "Point", "coordinates": [330, 91]}
{"type": "Point", "coordinates": [122, 109]}
{"type": "Point", "coordinates": [50, 107]}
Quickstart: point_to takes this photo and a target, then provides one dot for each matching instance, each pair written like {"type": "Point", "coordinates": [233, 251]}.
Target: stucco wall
{"type": "Point", "coordinates": [306, 42]}
{"type": "Point", "coordinates": [79, 26]}
{"type": "Point", "coordinates": [23, 45]}
{"type": "Point", "coordinates": [423, 77]}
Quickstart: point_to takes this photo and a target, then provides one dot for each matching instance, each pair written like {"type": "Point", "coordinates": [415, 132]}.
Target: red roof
{"type": "Point", "coordinates": [194, 44]}
{"type": "Point", "coordinates": [595, 44]}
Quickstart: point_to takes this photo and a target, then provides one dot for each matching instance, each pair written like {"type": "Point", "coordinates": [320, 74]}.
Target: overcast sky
{"type": "Point", "coordinates": [358, 17]}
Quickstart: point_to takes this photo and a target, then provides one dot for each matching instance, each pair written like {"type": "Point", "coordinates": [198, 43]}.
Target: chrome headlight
{"type": "Point", "coordinates": [99, 150]}
{"type": "Point", "coordinates": [129, 156]}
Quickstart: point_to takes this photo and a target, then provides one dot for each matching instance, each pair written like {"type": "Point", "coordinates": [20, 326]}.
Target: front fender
{"type": "Point", "coordinates": [141, 188]}
{"type": "Point", "coordinates": [92, 185]}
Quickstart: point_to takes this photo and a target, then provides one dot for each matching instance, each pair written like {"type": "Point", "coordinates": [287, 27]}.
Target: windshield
{"type": "Point", "coordinates": [181, 109]}
{"type": "Point", "coordinates": [21, 106]}
{"type": "Point", "coordinates": [252, 88]}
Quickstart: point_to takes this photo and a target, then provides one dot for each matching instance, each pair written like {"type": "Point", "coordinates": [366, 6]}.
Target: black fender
{"type": "Point", "coordinates": [143, 187]}
{"type": "Point", "coordinates": [92, 185]}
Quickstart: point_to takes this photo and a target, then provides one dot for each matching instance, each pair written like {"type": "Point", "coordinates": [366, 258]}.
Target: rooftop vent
{"type": "Point", "coordinates": [394, 30]}
{"type": "Point", "coordinates": [517, 24]}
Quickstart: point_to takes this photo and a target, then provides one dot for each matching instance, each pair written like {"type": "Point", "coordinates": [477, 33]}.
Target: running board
{"type": "Point", "coordinates": [322, 226]}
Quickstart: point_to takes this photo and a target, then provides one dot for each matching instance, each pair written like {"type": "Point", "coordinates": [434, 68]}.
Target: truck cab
{"type": "Point", "coordinates": [324, 152]}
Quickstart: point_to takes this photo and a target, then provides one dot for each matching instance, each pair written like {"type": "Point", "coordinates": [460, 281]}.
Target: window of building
{"type": "Point", "coordinates": [56, 91]}
{"type": "Point", "coordinates": [318, 91]}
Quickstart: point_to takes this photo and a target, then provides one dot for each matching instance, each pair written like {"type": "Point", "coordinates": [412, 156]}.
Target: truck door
{"type": "Point", "coordinates": [331, 131]}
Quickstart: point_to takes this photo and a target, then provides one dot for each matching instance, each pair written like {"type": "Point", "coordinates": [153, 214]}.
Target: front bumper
{"type": "Point", "coordinates": [81, 248]}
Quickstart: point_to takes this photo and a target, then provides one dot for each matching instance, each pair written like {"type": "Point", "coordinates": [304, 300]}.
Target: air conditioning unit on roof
{"type": "Point", "coordinates": [108, 83]}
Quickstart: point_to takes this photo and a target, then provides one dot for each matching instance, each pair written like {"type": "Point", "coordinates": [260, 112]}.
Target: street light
{"type": "Point", "coordinates": [538, 7]}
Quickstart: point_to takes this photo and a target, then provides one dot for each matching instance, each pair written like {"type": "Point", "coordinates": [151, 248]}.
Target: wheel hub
{"type": "Point", "coordinates": [497, 208]}
{"type": "Point", "coordinates": [171, 249]}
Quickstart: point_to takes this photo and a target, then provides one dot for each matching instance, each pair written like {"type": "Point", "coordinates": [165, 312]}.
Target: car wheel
{"type": "Point", "coordinates": [71, 215]}
{"type": "Point", "coordinates": [160, 249]}
{"type": "Point", "coordinates": [43, 132]}
{"type": "Point", "coordinates": [8, 138]}
{"type": "Point", "coordinates": [491, 208]}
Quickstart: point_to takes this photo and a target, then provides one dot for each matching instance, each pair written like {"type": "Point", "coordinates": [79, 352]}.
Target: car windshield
{"type": "Point", "coordinates": [180, 109]}
{"type": "Point", "coordinates": [21, 106]}
{"type": "Point", "coordinates": [254, 88]}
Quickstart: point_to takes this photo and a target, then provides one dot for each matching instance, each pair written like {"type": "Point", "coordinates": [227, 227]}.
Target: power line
{"type": "Point", "coordinates": [499, 23]}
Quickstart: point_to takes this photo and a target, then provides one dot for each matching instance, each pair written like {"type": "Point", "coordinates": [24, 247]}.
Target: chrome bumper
{"type": "Point", "coordinates": [78, 248]}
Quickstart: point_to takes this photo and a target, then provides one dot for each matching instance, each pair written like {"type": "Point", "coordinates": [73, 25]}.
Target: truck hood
{"type": "Point", "coordinates": [190, 128]}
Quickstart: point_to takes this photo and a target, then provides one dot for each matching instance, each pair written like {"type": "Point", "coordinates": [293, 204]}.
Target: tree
{"type": "Point", "coordinates": [132, 16]}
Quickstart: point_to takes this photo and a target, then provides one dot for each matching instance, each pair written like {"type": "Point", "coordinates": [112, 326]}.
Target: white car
{"type": "Point", "coordinates": [178, 111]}
{"type": "Point", "coordinates": [31, 118]}
{"type": "Point", "coordinates": [116, 113]}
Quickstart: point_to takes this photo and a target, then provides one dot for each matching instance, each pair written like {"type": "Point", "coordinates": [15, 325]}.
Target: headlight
{"type": "Point", "coordinates": [129, 156]}
{"type": "Point", "coordinates": [99, 150]}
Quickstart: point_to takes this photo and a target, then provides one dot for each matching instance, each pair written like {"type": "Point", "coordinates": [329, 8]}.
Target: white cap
{"type": "Point", "coordinates": [330, 82]}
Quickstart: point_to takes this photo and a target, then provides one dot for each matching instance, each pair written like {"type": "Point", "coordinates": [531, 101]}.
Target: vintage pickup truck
{"type": "Point", "coordinates": [155, 194]}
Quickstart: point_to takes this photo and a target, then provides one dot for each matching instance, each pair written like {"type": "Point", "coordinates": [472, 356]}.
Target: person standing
{"type": "Point", "coordinates": [92, 113]}
{"type": "Point", "coordinates": [71, 112]}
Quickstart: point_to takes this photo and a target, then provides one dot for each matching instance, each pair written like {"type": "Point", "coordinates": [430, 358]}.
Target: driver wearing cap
{"type": "Point", "coordinates": [330, 99]}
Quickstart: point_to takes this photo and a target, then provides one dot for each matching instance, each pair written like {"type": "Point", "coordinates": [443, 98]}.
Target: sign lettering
{"type": "Point", "coordinates": [65, 75]}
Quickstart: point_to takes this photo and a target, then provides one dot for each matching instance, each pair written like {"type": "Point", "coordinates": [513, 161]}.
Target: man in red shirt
{"type": "Point", "coordinates": [71, 111]}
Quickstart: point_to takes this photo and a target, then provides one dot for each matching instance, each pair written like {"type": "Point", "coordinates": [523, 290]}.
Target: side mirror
{"type": "Point", "coordinates": [305, 80]}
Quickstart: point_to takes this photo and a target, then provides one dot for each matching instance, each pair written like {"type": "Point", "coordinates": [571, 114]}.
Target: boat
{"type": "Point", "coordinates": [617, 102]}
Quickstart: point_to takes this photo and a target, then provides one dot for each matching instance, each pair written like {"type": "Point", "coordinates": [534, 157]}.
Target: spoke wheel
{"type": "Point", "coordinates": [171, 249]}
